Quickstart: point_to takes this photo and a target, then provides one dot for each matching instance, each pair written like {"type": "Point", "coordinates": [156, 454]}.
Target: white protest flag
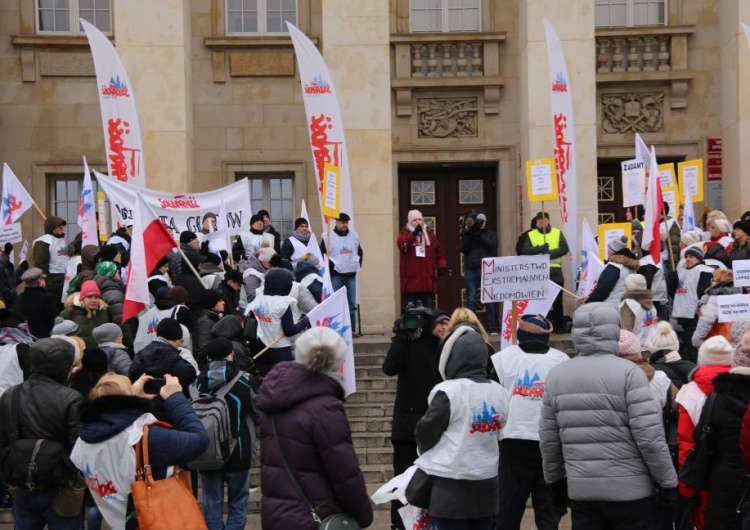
{"type": "Point", "coordinates": [563, 124]}
{"type": "Point", "coordinates": [688, 214]}
{"type": "Point", "coordinates": [324, 123]}
{"type": "Point", "coordinates": [525, 307]}
{"type": "Point", "coordinates": [16, 200]}
{"type": "Point", "coordinates": [149, 243]}
{"type": "Point", "coordinates": [303, 213]}
{"type": "Point", "coordinates": [122, 130]}
{"type": "Point", "coordinates": [87, 210]}
{"type": "Point", "coordinates": [654, 206]}
{"type": "Point", "coordinates": [591, 265]}
{"type": "Point", "coordinates": [641, 151]}
{"type": "Point", "coordinates": [334, 313]}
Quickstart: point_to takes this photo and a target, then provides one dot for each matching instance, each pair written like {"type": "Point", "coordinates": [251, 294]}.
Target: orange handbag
{"type": "Point", "coordinates": [166, 504]}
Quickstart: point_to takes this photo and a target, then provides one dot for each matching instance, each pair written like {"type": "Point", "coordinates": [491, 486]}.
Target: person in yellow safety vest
{"type": "Point", "coordinates": [548, 240]}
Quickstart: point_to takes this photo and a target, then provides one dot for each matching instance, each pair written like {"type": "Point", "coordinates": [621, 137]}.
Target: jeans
{"type": "Point", "coordinates": [35, 510]}
{"type": "Point", "coordinates": [93, 518]}
{"type": "Point", "coordinates": [517, 482]}
{"type": "Point", "coordinates": [601, 515]}
{"type": "Point", "coordinates": [480, 523]}
{"type": "Point", "coordinates": [350, 282]}
{"type": "Point", "coordinates": [238, 486]}
{"type": "Point", "coordinates": [473, 277]}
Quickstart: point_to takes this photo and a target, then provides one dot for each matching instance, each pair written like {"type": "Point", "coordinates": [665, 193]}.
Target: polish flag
{"type": "Point", "coordinates": [653, 209]}
{"type": "Point", "coordinates": [150, 242]}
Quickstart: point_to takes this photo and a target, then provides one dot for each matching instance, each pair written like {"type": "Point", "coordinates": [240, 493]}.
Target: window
{"type": "Point", "coordinates": [65, 198]}
{"type": "Point", "coordinates": [445, 15]}
{"type": "Point", "coordinates": [61, 16]}
{"type": "Point", "coordinates": [260, 16]}
{"type": "Point", "coordinates": [275, 194]}
{"type": "Point", "coordinates": [618, 13]}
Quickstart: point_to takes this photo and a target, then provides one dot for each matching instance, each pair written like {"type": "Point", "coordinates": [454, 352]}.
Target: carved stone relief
{"type": "Point", "coordinates": [633, 112]}
{"type": "Point", "coordinates": [447, 118]}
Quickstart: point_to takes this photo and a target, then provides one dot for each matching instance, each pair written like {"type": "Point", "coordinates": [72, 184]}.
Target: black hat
{"type": "Point", "coordinates": [94, 360]}
{"type": "Point", "coordinates": [218, 348]}
{"type": "Point", "coordinates": [743, 225]}
{"type": "Point", "coordinates": [539, 215]}
{"type": "Point", "coordinates": [255, 218]}
{"type": "Point", "coordinates": [187, 236]}
{"type": "Point", "coordinates": [208, 299]}
{"type": "Point", "coordinates": [300, 221]}
{"type": "Point", "coordinates": [169, 329]}
{"type": "Point", "coordinates": [264, 213]}
{"type": "Point", "coordinates": [695, 252]}
{"type": "Point", "coordinates": [344, 217]}
{"type": "Point", "coordinates": [162, 262]}
{"type": "Point", "coordinates": [108, 252]}
{"type": "Point", "coordinates": [208, 215]}
{"type": "Point", "coordinates": [233, 276]}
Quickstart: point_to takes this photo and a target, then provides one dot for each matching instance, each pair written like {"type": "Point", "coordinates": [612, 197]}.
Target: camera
{"type": "Point", "coordinates": [411, 323]}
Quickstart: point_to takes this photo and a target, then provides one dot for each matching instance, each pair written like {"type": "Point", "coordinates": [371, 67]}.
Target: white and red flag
{"type": "Point", "coordinates": [334, 313]}
{"type": "Point", "coordinates": [16, 200]}
{"type": "Point", "coordinates": [525, 307]}
{"type": "Point", "coordinates": [87, 210]}
{"type": "Point", "coordinates": [653, 208]}
{"type": "Point", "coordinates": [591, 265]}
{"type": "Point", "coordinates": [150, 242]}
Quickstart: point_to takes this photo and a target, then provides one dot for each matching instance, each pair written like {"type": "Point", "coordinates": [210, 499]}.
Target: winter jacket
{"type": "Point", "coordinates": [86, 320]}
{"type": "Point", "coordinates": [39, 309]}
{"type": "Point", "coordinates": [89, 259]}
{"type": "Point", "coordinates": [416, 365]}
{"type": "Point", "coordinates": [708, 314]}
{"type": "Point", "coordinates": [202, 334]}
{"type": "Point", "coordinates": [40, 257]}
{"type": "Point", "coordinates": [600, 427]}
{"type": "Point", "coordinates": [716, 249]}
{"type": "Point", "coordinates": [612, 277]}
{"type": "Point", "coordinates": [231, 298]}
{"type": "Point", "coordinates": [477, 244]}
{"type": "Point", "coordinates": [118, 358]}
{"type": "Point", "coordinates": [315, 287]}
{"type": "Point", "coordinates": [108, 416]}
{"type": "Point", "coordinates": [240, 405]}
{"type": "Point", "coordinates": [114, 295]}
{"type": "Point", "coordinates": [231, 328]}
{"type": "Point", "coordinates": [739, 250]}
{"type": "Point", "coordinates": [418, 274]}
{"type": "Point", "coordinates": [726, 485]}
{"type": "Point", "coordinates": [252, 278]}
{"type": "Point", "coordinates": [678, 371]}
{"type": "Point", "coordinates": [183, 315]}
{"type": "Point", "coordinates": [193, 286]}
{"type": "Point", "coordinates": [315, 436]}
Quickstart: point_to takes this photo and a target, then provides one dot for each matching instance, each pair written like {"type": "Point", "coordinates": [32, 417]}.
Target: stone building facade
{"type": "Point", "coordinates": [437, 120]}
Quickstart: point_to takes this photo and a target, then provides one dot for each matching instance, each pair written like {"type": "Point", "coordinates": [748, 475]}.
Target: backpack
{"type": "Point", "coordinates": [213, 412]}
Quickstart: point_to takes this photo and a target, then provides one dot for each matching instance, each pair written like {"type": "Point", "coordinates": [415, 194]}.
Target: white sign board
{"type": "Point", "coordinates": [24, 251]}
{"type": "Point", "coordinates": [10, 234]}
{"type": "Point", "coordinates": [541, 179]}
{"type": "Point", "coordinates": [733, 307]}
{"type": "Point", "coordinates": [633, 182]}
{"type": "Point", "coordinates": [515, 278]}
{"type": "Point", "coordinates": [741, 272]}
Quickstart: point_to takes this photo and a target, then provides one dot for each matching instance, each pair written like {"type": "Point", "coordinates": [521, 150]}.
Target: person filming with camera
{"type": "Point", "coordinates": [413, 357]}
{"type": "Point", "coordinates": [478, 242]}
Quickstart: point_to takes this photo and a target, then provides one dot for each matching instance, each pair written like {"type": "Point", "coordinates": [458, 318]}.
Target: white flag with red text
{"type": "Point", "coordinates": [149, 243]}
{"type": "Point", "coordinates": [324, 124]}
{"type": "Point", "coordinates": [563, 124]}
{"type": "Point", "coordinates": [16, 200]}
{"type": "Point", "coordinates": [334, 313]}
{"type": "Point", "coordinates": [122, 130]}
{"type": "Point", "coordinates": [525, 307]}
{"type": "Point", "coordinates": [87, 210]}
{"type": "Point", "coordinates": [652, 210]}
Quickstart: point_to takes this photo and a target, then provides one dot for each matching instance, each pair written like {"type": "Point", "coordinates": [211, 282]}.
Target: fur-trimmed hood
{"type": "Point", "coordinates": [643, 296]}
{"type": "Point", "coordinates": [626, 258]}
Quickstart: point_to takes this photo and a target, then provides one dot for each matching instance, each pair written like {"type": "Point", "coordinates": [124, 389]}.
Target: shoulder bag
{"type": "Point", "coordinates": [696, 472]}
{"type": "Point", "coordinates": [335, 521]}
{"type": "Point", "coordinates": [166, 504]}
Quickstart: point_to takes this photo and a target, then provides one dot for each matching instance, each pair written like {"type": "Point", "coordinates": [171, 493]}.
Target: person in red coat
{"type": "Point", "coordinates": [421, 260]}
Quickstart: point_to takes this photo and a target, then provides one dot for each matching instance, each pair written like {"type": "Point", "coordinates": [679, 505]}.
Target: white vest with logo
{"type": "Point", "coordinates": [253, 242]}
{"type": "Point", "coordinates": [268, 311]}
{"type": "Point", "coordinates": [523, 375]}
{"type": "Point", "coordinates": [10, 369]}
{"type": "Point", "coordinates": [645, 321]}
{"type": "Point", "coordinates": [344, 252]}
{"type": "Point", "coordinates": [147, 323]}
{"type": "Point", "coordinates": [619, 289]}
{"type": "Point", "coordinates": [658, 283]}
{"type": "Point", "coordinates": [109, 468]}
{"type": "Point", "coordinates": [243, 292]}
{"type": "Point", "coordinates": [686, 295]}
{"type": "Point", "coordinates": [300, 249]}
{"type": "Point", "coordinates": [468, 449]}
{"type": "Point", "coordinates": [58, 258]}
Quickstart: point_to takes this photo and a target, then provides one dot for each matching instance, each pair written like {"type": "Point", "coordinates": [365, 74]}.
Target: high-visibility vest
{"type": "Point", "coordinates": [552, 238]}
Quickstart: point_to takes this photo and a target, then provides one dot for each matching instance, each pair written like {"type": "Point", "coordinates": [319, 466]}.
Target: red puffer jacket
{"type": "Point", "coordinates": [418, 274]}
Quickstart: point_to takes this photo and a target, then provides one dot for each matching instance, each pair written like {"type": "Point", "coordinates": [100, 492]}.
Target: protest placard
{"type": "Point", "coordinates": [541, 180]}
{"type": "Point", "coordinates": [741, 272]}
{"type": "Point", "coordinates": [690, 174]}
{"type": "Point", "coordinates": [610, 231]}
{"type": "Point", "coordinates": [733, 307]}
{"type": "Point", "coordinates": [10, 234]}
{"type": "Point", "coordinates": [671, 197]}
{"type": "Point", "coordinates": [666, 176]}
{"type": "Point", "coordinates": [331, 191]}
{"type": "Point", "coordinates": [633, 182]}
{"type": "Point", "coordinates": [515, 278]}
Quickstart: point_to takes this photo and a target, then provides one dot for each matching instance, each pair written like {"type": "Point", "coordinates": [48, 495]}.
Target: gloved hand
{"type": "Point", "coordinates": [8, 248]}
{"type": "Point", "coordinates": [418, 230]}
{"type": "Point", "coordinates": [543, 249]}
{"type": "Point", "coordinates": [666, 498]}
{"type": "Point", "coordinates": [442, 271]}
{"type": "Point", "coordinates": [559, 494]}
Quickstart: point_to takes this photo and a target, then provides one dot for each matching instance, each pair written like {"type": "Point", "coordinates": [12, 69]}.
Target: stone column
{"type": "Point", "coordinates": [735, 106]}
{"type": "Point", "coordinates": [574, 22]}
{"type": "Point", "coordinates": [153, 40]}
{"type": "Point", "coordinates": [355, 45]}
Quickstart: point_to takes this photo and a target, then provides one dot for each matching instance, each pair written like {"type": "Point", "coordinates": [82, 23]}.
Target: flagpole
{"type": "Point", "coordinates": [669, 243]}
{"type": "Point", "coordinates": [570, 293]}
{"type": "Point", "coordinates": [44, 217]}
{"type": "Point", "coordinates": [264, 350]}
{"type": "Point", "coordinates": [185, 258]}
{"type": "Point", "coordinates": [513, 323]}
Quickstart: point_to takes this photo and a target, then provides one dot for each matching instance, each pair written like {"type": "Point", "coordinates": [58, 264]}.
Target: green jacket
{"type": "Point", "coordinates": [80, 316]}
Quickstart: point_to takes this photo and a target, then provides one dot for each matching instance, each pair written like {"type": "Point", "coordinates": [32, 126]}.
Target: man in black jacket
{"type": "Point", "coordinates": [43, 408]}
{"type": "Point", "coordinates": [476, 243]}
{"type": "Point", "coordinates": [414, 358]}
{"type": "Point", "coordinates": [36, 304]}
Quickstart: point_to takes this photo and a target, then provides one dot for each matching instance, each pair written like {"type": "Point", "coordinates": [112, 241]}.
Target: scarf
{"type": "Point", "coordinates": [303, 238]}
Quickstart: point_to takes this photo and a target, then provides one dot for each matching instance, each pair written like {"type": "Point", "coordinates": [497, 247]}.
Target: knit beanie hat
{"type": "Point", "coordinates": [108, 332]}
{"type": "Point", "coordinates": [300, 221]}
{"type": "Point", "coordinates": [169, 329]}
{"type": "Point", "coordinates": [635, 281]}
{"type": "Point", "coordinates": [743, 225]}
{"type": "Point", "coordinates": [89, 288]}
{"type": "Point", "coordinates": [255, 218]}
{"type": "Point", "coordinates": [321, 349]}
{"type": "Point", "coordinates": [534, 327]}
{"type": "Point", "coordinates": [209, 298]}
{"type": "Point", "coordinates": [715, 351]}
{"type": "Point", "coordinates": [617, 244]}
{"type": "Point", "coordinates": [629, 346]}
{"type": "Point", "coordinates": [696, 252]}
{"type": "Point", "coordinates": [691, 237]}
{"type": "Point", "coordinates": [187, 236]}
{"type": "Point", "coordinates": [64, 327]}
{"type": "Point", "coordinates": [218, 348]}
{"type": "Point", "coordinates": [663, 338]}
{"type": "Point", "coordinates": [106, 268]}
{"type": "Point", "coordinates": [265, 254]}
{"type": "Point", "coordinates": [95, 360]}
{"type": "Point", "coordinates": [742, 352]}
{"type": "Point", "coordinates": [739, 328]}
{"type": "Point", "coordinates": [108, 252]}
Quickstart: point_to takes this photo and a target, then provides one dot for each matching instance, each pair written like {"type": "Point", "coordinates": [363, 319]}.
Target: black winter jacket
{"type": "Point", "coordinates": [39, 310]}
{"type": "Point", "coordinates": [477, 244]}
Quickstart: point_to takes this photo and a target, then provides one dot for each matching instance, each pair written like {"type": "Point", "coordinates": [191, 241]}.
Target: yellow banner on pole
{"type": "Point", "coordinates": [331, 206]}
{"type": "Point", "coordinates": [541, 180]}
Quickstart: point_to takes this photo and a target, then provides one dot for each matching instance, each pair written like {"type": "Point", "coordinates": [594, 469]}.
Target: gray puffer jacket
{"type": "Point", "coordinates": [599, 426]}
